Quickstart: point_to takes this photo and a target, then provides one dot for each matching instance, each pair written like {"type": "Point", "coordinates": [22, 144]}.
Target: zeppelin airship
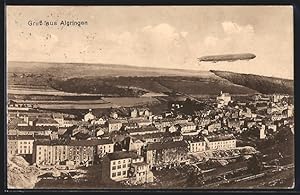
{"type": "Point", "coordinates": [227, 57]}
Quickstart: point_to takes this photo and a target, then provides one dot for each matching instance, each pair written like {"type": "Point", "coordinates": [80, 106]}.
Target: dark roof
{"type": "Point", "coordinates": [94, 142]}
{"type": "Point", "coordinates": [114, 121]}
{"type": "Point", "coordinates": [37, 137]}
{"type": "Point", "coordinates": [45, 121]}
{"type": "Point", "coordinates": [36, 128]}
{"type": "Point", "coordinates": [220, 138]}
{"type": "Point", "coordinates": [21, 137]}
{"type": "Point", "coordinates": [166, 145]}
{"type": "Point", "coordinates": [122, 155]}
{"type": "Point", "coordinates": [149, 136]}
{"type": "Point", "coordinates": [143, 129]}
{"type": "Point", "coordinates": [138, 120]}
{"type": "Point", "coordinates": [193, 139]}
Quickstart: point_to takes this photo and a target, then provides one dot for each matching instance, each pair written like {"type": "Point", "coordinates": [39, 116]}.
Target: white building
{"type": "Point", "coordinates": [89, 116]}
{"type": "Point", "coordinates": [223, 99]}
{"type": "Point", "coordinates": [196, 144]}
{"type": "Point", "coordinates": [25, 144]}
{"type": "Point", "coordinates": [220, 142]}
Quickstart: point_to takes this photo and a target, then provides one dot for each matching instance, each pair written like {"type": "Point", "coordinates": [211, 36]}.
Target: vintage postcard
{"type": "Point", "coordinates": [150, 97]}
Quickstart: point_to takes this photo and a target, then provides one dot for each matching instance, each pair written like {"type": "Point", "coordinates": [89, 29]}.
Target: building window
{"type": "Point", "coordinates": [119, 166]}
{"type": "Point", "coordinates": [124, 172]}
{"type": "Point", "coordinates": [119, 162]}
{"type": "Point", "coordinates": [124, 165]}
{"type": "Point", "coordinates": [113, 174]}
{"type": "Point", "coordinates": [119, 173]}
{"type": "Point", "coordinates": [113, 167]}
{"type": "Point", "coordinates": [114, 162]}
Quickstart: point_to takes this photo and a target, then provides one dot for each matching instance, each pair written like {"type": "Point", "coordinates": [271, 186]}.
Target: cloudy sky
{"type": "Point", "coordinates": [168, 37]}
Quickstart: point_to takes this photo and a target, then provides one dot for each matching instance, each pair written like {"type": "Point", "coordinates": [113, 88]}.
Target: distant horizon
{"type": "Point", "coordinates": [155, 68]}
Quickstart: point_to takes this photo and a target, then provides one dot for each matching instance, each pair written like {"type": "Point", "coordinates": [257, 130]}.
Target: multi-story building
{"type": "Point", "coordinates": [12, 145]}
{"type": "Point", "coordinates": [219, 142]}
{"type": "Point", "coordinates": [116, 165]}
{"type": "Point", "coordinates": [140, 121]}
{"type": "Point", "coordinates": [139, 172]}
{"type": "Point", "coordinates": [78, 151]}
{"type": "Point", "coordinates": [104, 146]}
{"type": "Point", "coordinates": [25, 144]}
{"type": "Point", "coordinates": [20, 144]}
{"type": "Point", "coordinates": [122, 165]}
{"type": "Point", "coordinates": [196, 144]}
{"type": "Point", "coordinates": [187, 127]}
{"type": "Point", "coordinates": [115, 125]}
{"type": "Point", "coordinates": [167, 154]}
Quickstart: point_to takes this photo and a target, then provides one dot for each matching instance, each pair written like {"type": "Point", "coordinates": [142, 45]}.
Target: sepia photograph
{"type": "Point", "coordinates": [150, 97]}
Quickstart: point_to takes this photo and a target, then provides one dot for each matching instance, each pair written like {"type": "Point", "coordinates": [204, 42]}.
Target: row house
{"type": "Point", "coordinates": [77, 151]}
{"type": "Point", "coordinates": [187, 127]}
{"type": "Point", "coordinates": [140, 121]}
{"type": "Point", "coordinates": [45, 122]}
{"type": "Point", "coordinates": [167, 122]}
{"type": "Point", "coordinates": [22, 144]}
{"type": "Point", "coordinates": [32, 130]}
{"type": "Point", "coordinates": [144, 130]}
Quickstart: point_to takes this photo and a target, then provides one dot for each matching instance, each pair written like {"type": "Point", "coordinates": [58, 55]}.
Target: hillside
{"type": "Point", "coordinates": [262, 84]}
{"type": "Point", "coordinates": [127, 86]}
{"type": "Point", "coordinates": [124, 80]}
{"type": "Point", "coordinates": [70, 70]}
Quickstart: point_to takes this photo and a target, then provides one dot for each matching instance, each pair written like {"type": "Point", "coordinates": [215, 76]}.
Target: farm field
{"type": "Point", "coordinates": [130, 101]}
{"type": "Point", "coordinates": [36, 91]}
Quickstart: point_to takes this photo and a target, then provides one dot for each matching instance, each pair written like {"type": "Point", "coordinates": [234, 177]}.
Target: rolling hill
{"type": "Point", "coordinates": [262, 84]}
{"type": "Point", "coordinates": [124, 80]}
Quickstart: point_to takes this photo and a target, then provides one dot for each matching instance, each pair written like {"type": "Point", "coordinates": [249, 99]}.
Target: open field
{"type": "Point", "coordinates": [131, 101]}
{"type": "Point", "coordinates": [94, 104]}
{"type": "Point", "coordinates": [37, 91]}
